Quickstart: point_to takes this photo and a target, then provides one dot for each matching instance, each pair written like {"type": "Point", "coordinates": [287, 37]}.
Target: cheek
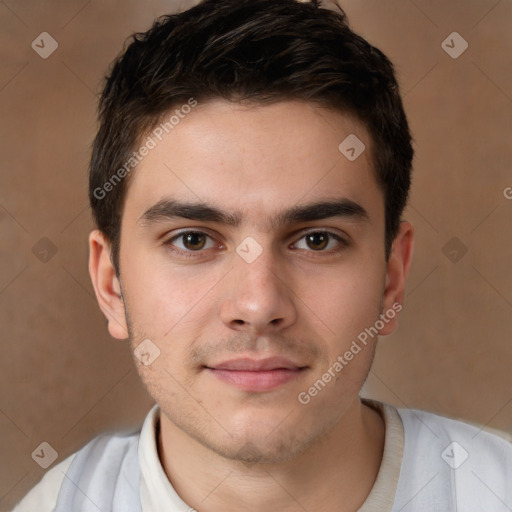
{"type": "Point", "coordinates": [163, 297]}
{"type": "Point", "coordinates": [343, 301]}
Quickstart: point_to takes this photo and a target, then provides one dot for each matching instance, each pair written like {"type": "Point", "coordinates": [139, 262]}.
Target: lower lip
{"type": "Point", "coordinates": [257, 381]}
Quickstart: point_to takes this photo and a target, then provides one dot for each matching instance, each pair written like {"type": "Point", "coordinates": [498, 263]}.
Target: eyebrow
{"type": "Point", "coordinates": [170, 209]}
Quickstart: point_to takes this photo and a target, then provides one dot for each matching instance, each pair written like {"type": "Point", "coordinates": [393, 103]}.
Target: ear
{"type": "Point", "coordinates": [106, 285]}
{"type": "Point", "coordinates": [396, 272]}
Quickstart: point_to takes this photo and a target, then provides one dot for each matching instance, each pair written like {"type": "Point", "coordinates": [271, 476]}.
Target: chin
{"type": "Point", "coordinates": [250, 452]}
{"type": "Point", "coordinates": [264, 442]}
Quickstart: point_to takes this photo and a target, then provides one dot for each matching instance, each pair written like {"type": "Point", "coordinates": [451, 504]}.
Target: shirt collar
{"type": "Point", "coordinates": [157, 494]}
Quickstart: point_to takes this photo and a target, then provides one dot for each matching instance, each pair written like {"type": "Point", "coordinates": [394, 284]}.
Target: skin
{"type": "Point", "coordinates": [222, 447]}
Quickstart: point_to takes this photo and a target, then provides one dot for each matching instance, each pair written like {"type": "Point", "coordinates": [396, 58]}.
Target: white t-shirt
{"type": "Point", "coordinates": [430, 464]}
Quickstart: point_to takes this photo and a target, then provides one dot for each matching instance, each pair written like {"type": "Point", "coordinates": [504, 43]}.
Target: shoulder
{"type": "Point", "coordinates": [454, 463]}
{"type": "Point", "coordinates": [99, 460]}
{"type": "Point", "coordinates": [437, 430]}
{"type": "Point", "coordinates": [44, 495]}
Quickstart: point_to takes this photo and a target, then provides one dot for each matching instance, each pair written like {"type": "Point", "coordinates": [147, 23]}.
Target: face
{"type": "Point", "coordinates": [252, 256]}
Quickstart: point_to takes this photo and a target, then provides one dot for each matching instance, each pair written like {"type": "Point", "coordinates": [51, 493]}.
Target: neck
{"type": "Point", "coordinates": [336, 473]}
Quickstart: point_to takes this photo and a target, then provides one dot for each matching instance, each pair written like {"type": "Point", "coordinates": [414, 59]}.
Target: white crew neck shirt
{"type": "Point", "coordinates": [430, 463]}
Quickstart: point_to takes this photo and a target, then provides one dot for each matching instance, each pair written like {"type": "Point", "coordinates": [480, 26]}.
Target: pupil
{"type": "Point", "coordinates": [194, 240]}
{"type": "Point", "coordinates": [317, 240]}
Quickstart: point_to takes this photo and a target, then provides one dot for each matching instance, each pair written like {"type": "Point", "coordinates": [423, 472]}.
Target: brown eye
{"type": "Point", "coordinates": [194, 241]}
{"type": "Point", "coordinates": [192, 244]}
{"type": "Point", "coordinates": [321, 241]}
{"type": "Point", "coordinates": [317, 241]}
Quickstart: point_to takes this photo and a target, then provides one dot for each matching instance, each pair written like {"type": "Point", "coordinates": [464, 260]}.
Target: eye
{"type": "Point", "coordinates": [318, 241]}
{"type": "Point", "coordinates": [191, 241]}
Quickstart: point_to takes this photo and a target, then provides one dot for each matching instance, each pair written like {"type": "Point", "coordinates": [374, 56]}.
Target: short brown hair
{"type": "Point", "coordinates": [257, 51]}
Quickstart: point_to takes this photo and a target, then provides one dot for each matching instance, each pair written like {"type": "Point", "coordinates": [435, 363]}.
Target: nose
{"type": "Point", "coordinates": [258, 298]}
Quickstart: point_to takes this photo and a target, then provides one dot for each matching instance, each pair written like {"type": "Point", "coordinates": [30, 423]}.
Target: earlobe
{"type": "Point", "coordinates": [106, 285]}
{"type": "Point", "coordinates": [398, 265]}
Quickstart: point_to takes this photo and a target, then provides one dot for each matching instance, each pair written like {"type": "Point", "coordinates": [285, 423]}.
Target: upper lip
{"type": "Point", "coordinates": [255, 365]}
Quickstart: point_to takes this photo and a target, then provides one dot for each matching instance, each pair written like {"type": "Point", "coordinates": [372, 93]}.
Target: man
{"type": "Point", "coordinates": [247, 180]}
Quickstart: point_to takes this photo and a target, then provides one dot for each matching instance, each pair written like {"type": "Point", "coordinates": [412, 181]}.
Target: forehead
{"type": "Point", "coordinates": [255, 159]}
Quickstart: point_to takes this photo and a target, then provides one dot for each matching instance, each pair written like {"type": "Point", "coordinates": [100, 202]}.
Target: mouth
{"type": "Point", "coordinates": [257, 375]}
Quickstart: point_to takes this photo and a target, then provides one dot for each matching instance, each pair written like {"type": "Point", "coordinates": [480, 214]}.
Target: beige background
{"type": "Point", "coordinates": [64, 380]}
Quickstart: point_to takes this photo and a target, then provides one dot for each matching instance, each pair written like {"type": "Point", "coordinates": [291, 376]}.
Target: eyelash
{"type": "Point", "coordinates": [194, 254]}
